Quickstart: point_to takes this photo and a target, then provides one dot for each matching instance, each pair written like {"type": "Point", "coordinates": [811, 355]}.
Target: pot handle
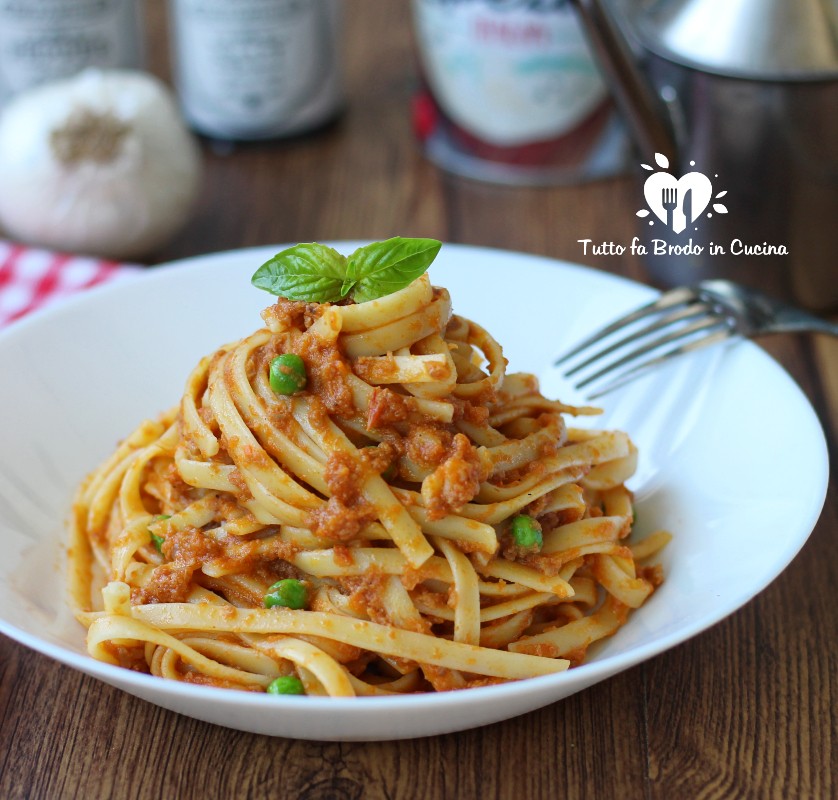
{"type": "Point", "coordinates": [643, 110]}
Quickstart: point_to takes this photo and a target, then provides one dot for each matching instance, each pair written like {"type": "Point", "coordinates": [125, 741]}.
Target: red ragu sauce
{"type": "Point", "coordinates": [510, 93]}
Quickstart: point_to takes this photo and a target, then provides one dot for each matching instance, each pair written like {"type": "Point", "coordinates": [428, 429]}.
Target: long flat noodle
{"type": "Point", "coordinates": [480, 338]}
{"type": "Point", "coordinates": [524, 602]}
{"type": "Point", "coordinates": [651, 545]}
{"type": "Point", "coordinates": [401, 610]}
{"type": "Point", "coordinates": [628, 589]}
{"type": "Point", "coordinates": [434, 345]}
{"type": "Point", "coordinates": [501, 588]}
{"type": "Point", "coordinates": [583, 532]}
{"type": "Point", "coordinates": [525, 576]}
{"type": "Point", "coordinates": [195, 429]}
{"type": "Point", "coordinates": [489, 493]}
{"type": "Point", "coordinates": [467, 614]}
{"type": "Point", "coordinates": [367, 560]}
{"type": "Point", "coordinates": [113, 469]}
{"type": "Point", "coordinates": [403, 369]}
{"type": "Point", "coordinates": [405, 684]}
{"type": "Point", "coordinates": [570, 497]}
{"type": "Point", "coordinates": [617, 502]}
{"type": "Point", "coordinates": [510, 629]}
{"type": "Point", "coordinates": [368, 635]}
{"type": "Point", "coordinates": [400, 333]}
{"type": "Point", "coordinates": [397, 305]}
{"type": "Point", "coordinates": [478, 534]}
{"type": "Point", "coordinates": [419, 408]}
{"type": "Point", "coordinates": [515, 453]}
{"type": "Point", "coordinates": [205, 475]}
{"type": "Point", "coordinates": [108, 629]}
{"type": "Point", "coordinates": [245, 658]}
{"type": "Point", "coordinates": [130, 501]}
{"type": "Point", "coordinates": [246, 485]}
{"type": "Point", "coordinates": [576, 636]}
{"type": "Point", "coordinates": [494, 513]}
{"type": "Point", "coordinates": [282, 447]}
{"type": "Point", "coordinates": [330, 674]}
{"type": "Point", "coordinates": [267, 481]}
{"type": "Point", "coordinates": [406, 534]}
{"type": "Point", "coordinates": [484, 435]}
{"type": "Point", "coordinates": [80, 566]}
{"type": "Point", "coordinates": [605, 448]}
{"type": "Point", "coordinates": [195, 515]}
{"type": "Point", "coordinates": [612, 474]}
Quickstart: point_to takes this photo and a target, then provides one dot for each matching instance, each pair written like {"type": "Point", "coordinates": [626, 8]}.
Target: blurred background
{"type": "Point", "coordinates": [372, 162]}
{"type": "Point", "coordinates": [365, 175]}
{"type": "Point", "coordinates": [351, 119]}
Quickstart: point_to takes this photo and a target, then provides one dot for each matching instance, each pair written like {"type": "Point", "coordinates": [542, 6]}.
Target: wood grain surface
{"type": "Point", "coordinates": [746, 710]}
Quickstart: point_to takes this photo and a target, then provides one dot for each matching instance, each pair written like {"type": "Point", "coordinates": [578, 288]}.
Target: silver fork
{"type": "Point", "coordinates": [689, 317]}
{"type": "Point", "coordinates": [669, 200]}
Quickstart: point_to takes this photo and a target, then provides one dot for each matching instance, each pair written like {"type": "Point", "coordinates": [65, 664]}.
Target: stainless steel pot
{"type": "Point", "coordinates": [746, 93]}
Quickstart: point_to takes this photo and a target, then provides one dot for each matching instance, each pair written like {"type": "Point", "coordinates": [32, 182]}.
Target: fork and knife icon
{"type": "Point", "coordinates": [677, 202]}
{"type": "Point", "coordinates": [669, 200]}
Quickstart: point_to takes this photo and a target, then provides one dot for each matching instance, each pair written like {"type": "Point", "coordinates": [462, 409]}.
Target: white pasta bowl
{"type": "Point", "coordinates": [732, 461]}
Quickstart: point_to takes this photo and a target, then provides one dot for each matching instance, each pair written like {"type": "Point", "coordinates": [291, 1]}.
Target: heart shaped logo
{"type": "Point", "coordinates": [679, 202]}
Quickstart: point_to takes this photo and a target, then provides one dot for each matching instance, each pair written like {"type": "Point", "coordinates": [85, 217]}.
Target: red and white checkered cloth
{"type": "Point", "coordinates": [32, 278]}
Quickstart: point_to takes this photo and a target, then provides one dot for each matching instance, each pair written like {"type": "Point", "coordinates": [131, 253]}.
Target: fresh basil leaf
{"type": "Point", "coordinates": [348, 282]}
{"type": "Point", "coordinates": [311, 272]}
{"type": "Point", "coordinates": [381, 268]}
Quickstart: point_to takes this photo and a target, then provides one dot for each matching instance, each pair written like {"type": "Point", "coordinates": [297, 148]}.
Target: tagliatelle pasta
{"type": "Point", "coordinates": [413, 519]}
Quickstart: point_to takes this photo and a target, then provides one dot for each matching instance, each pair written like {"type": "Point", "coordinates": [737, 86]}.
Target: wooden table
{"type": "Point", "coordinates": [747, 709]}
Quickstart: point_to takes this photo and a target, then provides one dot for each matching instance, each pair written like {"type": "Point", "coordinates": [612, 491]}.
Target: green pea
{"type": "Point", "coordinates": [286, 684]}
{"type": "Point", "coordinates": [156, 540]}
{"type": "Point", "coordinates": [525, 531]}
{"type": "Point", "coordinates": [288, 374]}
{"type": "Point", "coordinates": [289, 593]}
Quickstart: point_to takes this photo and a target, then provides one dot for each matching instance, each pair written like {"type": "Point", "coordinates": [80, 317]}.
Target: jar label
{"type": "Point", "coordinates": [43, 40]}
{"type": "Point", "coordinates": [508, 71]}
{"type": "Point", "coordinates": [253, 65]}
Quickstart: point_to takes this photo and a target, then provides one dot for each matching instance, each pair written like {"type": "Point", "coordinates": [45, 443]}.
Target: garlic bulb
{"type": "Point", "coordinates": [100, 164]}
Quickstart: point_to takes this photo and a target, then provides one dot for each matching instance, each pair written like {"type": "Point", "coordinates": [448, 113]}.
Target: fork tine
{"type": "Point", "coordinates": [676, 315]}
{"type": "Point", "coordinates": [674, 297]}
{"type": "Point", "coordinates": [687, 330]}
{"type": "Point", "coordinates": [688, 347]}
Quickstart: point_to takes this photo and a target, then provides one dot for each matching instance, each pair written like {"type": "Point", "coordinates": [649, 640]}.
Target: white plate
{"type": "Point", "coordinates": [733, 462]}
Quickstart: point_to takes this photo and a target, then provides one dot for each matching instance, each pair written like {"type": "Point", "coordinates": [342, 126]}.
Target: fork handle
{"type": "Point", "coordinates": [792, 320]}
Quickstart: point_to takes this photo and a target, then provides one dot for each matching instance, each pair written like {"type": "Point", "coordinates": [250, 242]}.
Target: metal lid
{"type": "Point", "coordinates": [763, 39]}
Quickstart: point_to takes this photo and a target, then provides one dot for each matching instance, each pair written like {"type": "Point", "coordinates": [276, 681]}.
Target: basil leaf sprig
{"type": "Point", "coordinates": [311, 272]}
{"type": "Point", "coordinates": [382, 268]}
{"type": "Point", "coordinates": [316, 273]}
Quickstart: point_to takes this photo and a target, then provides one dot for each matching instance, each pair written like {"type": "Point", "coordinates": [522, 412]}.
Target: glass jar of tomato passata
{"type": "Point", "coordinates": [511, 94]}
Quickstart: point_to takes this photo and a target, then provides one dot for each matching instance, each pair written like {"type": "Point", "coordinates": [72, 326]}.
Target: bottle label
{"type": "Point", "coordinates": [510, 72]}
{"type": "Point", "coordinates": [250, 67]}
{"type": "Point", "coordinates": [43, 40]}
